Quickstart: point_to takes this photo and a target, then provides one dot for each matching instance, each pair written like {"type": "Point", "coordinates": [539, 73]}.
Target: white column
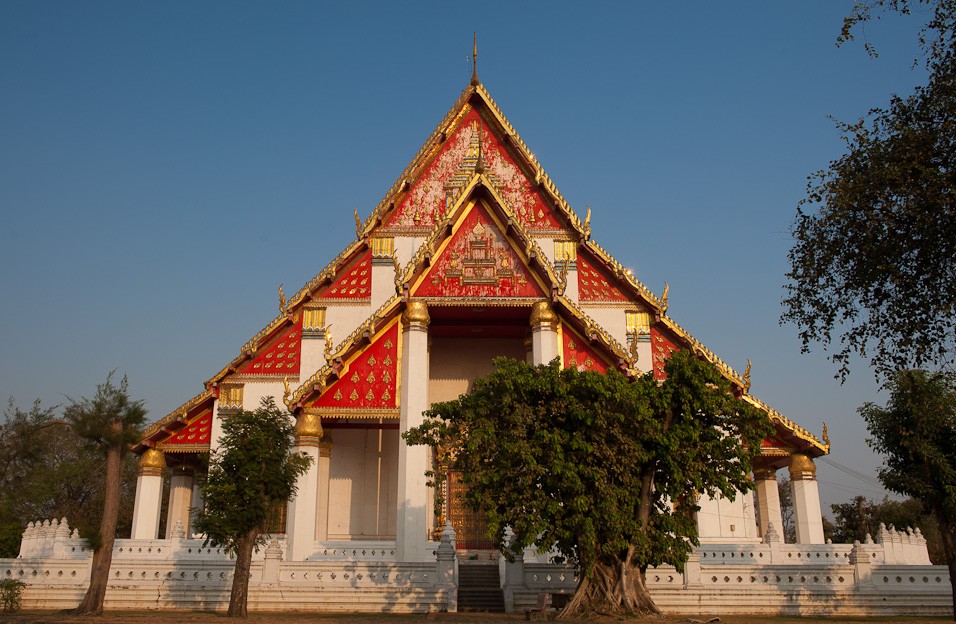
{"type": "Point", "coordinates": [768, 500]}
{"type": "Point", "coordinates": [149, 495]}
{"type": "Point", "coordinates": [544, 333]}
{"type": "Point", "coordinates": [413, 503]}
{"type": "Point", "coordinates": [180, 497]}
{"type": "Point", "coordinates": [300, 531]}
{"type": "Point", "coordinates": [806, 500]}
{"type": "Point", "coordinates": [322, 513]}
{"type": "Point", "coordinates": [195, 505]}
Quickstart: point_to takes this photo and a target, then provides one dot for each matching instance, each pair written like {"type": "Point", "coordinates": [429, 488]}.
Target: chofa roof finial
{"type": "Point", "coordinates": [474, 62]}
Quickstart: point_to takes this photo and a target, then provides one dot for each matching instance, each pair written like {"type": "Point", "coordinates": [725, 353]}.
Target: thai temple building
{"type": "Point", "coordinates": [472, 254]}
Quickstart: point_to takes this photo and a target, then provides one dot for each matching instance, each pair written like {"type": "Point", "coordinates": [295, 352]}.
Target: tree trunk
{"type": "Point", "coordinates": [92, 603]}
{"type": "Point", "coordinates": [614, 589]}
{"type": "Point", "coordinates": [239, 597]}
{"type": "Point", "coordinates": [949, 549]}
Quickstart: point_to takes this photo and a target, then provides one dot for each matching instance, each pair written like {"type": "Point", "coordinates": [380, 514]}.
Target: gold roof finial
{"type": "Point", "coordinates": [328, 343]}
{"type": "Point", "coordinates": [398, 273]}
{"type": "Point", "coordinates": [826, 435]}
{"type": "Point", "coordinates": [632, 351]}
{"type": "Point", "coordinates": [474, 62]}
{"type": "Point", "coordinates": [563, 275]}
{"type": "Point", "coordinates": [747, 377]}
{"type": "Point", "coordinates": [587, 223]}
{"type": "Point", "coordinates": [282, 301]}
{"type": "Point", "coordinates": [667, 289]}
{"type": "Point", "coordinates": [287, 391]}
{"type": "Point", "coordinates": [358, 224]}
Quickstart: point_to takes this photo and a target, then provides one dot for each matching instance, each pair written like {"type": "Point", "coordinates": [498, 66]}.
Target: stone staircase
{"type": "Point", "coordinates": [479, 587]}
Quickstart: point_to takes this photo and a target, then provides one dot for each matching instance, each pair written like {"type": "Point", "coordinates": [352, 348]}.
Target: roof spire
{"type": "Point", "coordinates": [474, 61]}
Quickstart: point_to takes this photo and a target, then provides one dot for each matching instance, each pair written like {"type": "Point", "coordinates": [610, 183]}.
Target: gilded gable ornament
{"type": "Point", "coordinates": [371, 360]}
{"type": "Point", "coordinates": [667, 289]}
{"type": "Point", "coordinates": [282, 301]}
{"type": "Point", "coordinates": [358, 224]}
{"type": "Point", "coordinates": [371, 378]}
{"type": "Point", "coordinates": [386, 396]}
{"type": "Point", "coordinates": [747, 377]}
{"type": "Point", "coordinates": [354, 395]}
{"type": "Point", "coordinates": [354, 378]}
{"type": "Point", "coordinates": [369, 396]}
{"type": "Point", "coordinates": [386, 377]}
{"type": "Point", "coordinates": [387, 361]}
{"type": "Point", "coordinates": [338, 395]}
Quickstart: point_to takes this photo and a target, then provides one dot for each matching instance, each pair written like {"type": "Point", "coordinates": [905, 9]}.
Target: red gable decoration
{"type": "Point", "coordinates": [195, 433]}
{"type": "Point", "coordinates": [661, 348]}
{"type": "Point", "coordinates": [595, 284]}
{"type": "Point", "coordinates": [369, 378]}
{"type": "Point", "coordinates": [478, 262]}
{"type": "Point", "coordinates": [440, 183]}
{"type": "Point", "coordinates": [281, 357]}
{"type": "Point", "coordinates": [579, 354]}
{"type": "Point", "coordinates": [354, 282]}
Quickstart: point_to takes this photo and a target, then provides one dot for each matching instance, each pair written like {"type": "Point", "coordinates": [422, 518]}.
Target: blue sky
{"type": "Point", "coordinates": [164, 166]}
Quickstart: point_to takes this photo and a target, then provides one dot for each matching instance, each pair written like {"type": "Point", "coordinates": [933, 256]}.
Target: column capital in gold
{"type": "Point", "coordinates": [152, 462]}
{"type": "Point", "coordinates": [802, 468]}
{"type": "Point", "coordinates": [765, 474]}
{"type": "Point", "coordinates": [543, 314]}
{"type": "Point", "coordinates": [308, 428]}
{"type": "Point", "coordinates": [416, 312]}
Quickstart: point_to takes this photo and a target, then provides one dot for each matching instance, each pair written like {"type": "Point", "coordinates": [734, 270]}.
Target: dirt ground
{"type": "Point", "coordinates": [191, 617]}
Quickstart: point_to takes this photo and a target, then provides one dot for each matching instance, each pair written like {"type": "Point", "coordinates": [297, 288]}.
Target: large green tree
{"type": "Point", "coordinates": [602, 469]}
{"type": "Point", "coordinates": [45, 470]}
{"type": "Point", "coordinates": [253, 472]}
{"type": "Point", "coordinates": [916, 432]}
{"type": "Point", "coordinates": [108, 423]}
{"type": "Point", "coordinates": [875, 239]}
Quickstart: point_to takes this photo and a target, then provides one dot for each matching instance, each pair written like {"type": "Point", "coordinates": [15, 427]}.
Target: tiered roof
{"type": "Point", "coordinates": [473, 184]}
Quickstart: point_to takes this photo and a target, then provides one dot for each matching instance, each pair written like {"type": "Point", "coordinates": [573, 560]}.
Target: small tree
{"type": "Point", "coordinates": [916, 432]}
{"type": "Point", "coordinates": [251, 473]}
{"type": "Point", "coordinates": [599, 468]}
{"type": "Point", "coordinates": [109, 423]}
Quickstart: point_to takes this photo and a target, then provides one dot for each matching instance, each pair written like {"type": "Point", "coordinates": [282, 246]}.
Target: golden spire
{"type": "Point", "coordinates": [826, 435]}
{"type": "Point", "coordinates": [747, 377]}
{"type": "Point", "coordinates": [282, 301]}
{"type": "Point", "coordinates": [474, 62]}
{"type": "Point", "coordinates": [587, 223]}
{"type": "Point", "coordinates": [667, 289]}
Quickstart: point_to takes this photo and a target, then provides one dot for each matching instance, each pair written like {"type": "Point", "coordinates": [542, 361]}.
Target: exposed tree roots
{"type": "Point", "coordinates": [613, 590]}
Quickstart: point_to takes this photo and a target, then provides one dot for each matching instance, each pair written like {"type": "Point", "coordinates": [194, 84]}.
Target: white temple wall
{"type": "Point", "coordinates": [363, 484]}
{"type": "Point", "coordinates": [722, 520]}
{"type": "Point", "coordinates": [614, 321]}
{"type": "Point", "coordinates": [254, 391]}
{"type": "Point", "coordinates": [342, 320]}
{"type": "Point", "coordinates": [312, 355]}
{"type": "Point", "coordinates": [406, 247]}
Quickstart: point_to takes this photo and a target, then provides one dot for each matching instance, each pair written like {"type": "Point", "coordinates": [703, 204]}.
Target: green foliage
{"type": "Point", "coordinates": [875, 238]}
{"type": "Point", "coordinates": [251, 473]}
{"type": "Point", "coordinates": [45, 473]}
{"type": "Point", "coordinates": [859, 517]}
{"type": "Point", "coordinates": [916, 434]}
{"type": "Point", "coordinates": [104, 426]}
{"type": "Point", "coordinates": [598, 467]}
{"type": "Point", "coordinates": [11, 590]}
{"type": "Point", "coordinates": [111, 419]}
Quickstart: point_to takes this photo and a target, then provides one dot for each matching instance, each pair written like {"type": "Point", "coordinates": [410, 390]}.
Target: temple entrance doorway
{"type": "Point", "coordinates": [465, 340]}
